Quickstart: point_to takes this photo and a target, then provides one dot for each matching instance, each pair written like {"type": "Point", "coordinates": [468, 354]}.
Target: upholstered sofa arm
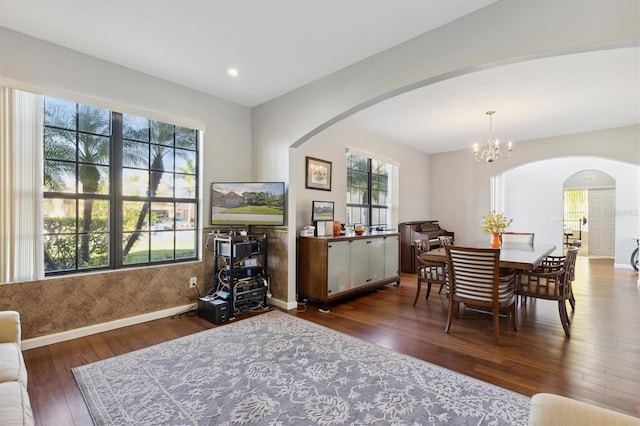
{"type": "Point", "coordinates": [10, 327]}
{"type": "Point", "coordinates": [548, 410]}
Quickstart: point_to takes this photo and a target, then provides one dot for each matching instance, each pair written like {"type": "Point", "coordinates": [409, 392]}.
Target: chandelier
{"type": "Point", "coordinates": [492, 152]}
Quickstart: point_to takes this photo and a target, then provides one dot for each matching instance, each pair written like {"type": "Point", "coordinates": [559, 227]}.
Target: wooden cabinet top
{"type": "Point", "coordinates": [376, 234]}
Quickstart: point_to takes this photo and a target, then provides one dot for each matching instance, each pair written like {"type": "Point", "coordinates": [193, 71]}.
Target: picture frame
{"type": "Point", "coordinates": [322, 210]}
{"type": "Point", "coordinates": [318, 174]}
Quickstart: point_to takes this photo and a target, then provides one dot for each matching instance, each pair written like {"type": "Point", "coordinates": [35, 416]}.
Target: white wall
{"type": "Point", "coordinates": [30, 64]}
{"type": "Point", "coordinates": [500, 33]}
{"type": "Point", "coordinates": [460, 188]}
{"type": "Point", "coordinates": [533, 195]}
{"type": "Point", "coordinates": [330, 145]}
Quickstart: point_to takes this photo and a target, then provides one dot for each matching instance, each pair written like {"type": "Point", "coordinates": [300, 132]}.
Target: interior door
{"type": "Point", "coordinates": [601, 222]}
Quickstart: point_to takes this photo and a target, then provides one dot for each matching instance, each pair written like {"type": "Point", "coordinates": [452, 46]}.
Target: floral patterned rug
{"type": "Point", "coordinates": [277, 369]}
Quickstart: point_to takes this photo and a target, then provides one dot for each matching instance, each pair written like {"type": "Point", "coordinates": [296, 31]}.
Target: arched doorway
{"type": "Point", "coordinates": [589, 213]}
{"type": "Point", "coordinates": [533, 194]}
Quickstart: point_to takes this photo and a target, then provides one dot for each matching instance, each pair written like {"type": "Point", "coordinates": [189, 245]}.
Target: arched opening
{"type": "Point", "coordinates": [589, 213]}
{"type": "Point", "coordinates": [533, 194]}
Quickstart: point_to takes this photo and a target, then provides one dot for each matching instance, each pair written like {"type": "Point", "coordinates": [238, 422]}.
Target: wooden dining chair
{"type": "Point", "coordinates": [572, 273]}
{"type": "Point", "coordinates": [552, 281]}
{"type": "Point", "coordinates": [518, 237]}
{"type": "Point", "coordinates": [572, 277]}
{"type": "Point", "coordinates": [429, 272]}
{"type": "Point", "coordinates": [475, 280]}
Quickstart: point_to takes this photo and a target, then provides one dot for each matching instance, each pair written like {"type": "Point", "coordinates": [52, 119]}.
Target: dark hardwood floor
{"type": "Point", "coordinates": [600, 363]}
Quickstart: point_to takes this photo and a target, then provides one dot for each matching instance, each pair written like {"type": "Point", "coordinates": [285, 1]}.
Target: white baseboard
{"type": "Point", "coordinates": [623, 266]}
{"type": "Point", "coordinates": [281, 304]}
{"type": "Point", "coordinates": [37, 342]}
{"type": "Point", "coordinates": [626, 266]}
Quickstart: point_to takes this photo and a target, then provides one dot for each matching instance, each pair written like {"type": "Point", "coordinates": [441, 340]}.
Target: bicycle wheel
{"type": "Point", "coordinates": [634, 259]}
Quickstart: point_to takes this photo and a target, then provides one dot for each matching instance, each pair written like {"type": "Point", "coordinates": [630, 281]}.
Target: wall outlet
{"type": "Point", "coordinates": [193, 281]}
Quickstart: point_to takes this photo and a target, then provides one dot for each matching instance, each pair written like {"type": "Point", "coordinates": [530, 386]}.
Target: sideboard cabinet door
{"type": "Point", "coordinates": [391, 257]}
{"type": "Point", "coordinates": [377, 257]}
{"type": "Point", "coordinates": [359, 263]}
{"type": "Point", "coordinates": [338, 267]}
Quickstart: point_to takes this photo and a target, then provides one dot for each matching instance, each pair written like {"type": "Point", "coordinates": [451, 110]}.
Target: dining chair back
{"type": "Point", "coordinates": [475, 280]}
{"type": "Point", "coordinates": [518, 237]}
{"type": "Point", "coordinates": [552, 281]}
{"type": "Point", "coordinates": [429, 272]}
{"type": "Point", "coordinates": [572, 276]}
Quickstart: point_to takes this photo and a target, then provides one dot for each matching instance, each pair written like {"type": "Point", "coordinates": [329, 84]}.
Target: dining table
{"type": "Point", "coordinates": [518, 256]}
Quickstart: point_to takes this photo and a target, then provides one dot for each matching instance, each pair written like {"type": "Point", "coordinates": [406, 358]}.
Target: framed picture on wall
{"type": "Point", "coordinates": [318, 174]}
{"type": "Point", "coordinates": [322, 210]}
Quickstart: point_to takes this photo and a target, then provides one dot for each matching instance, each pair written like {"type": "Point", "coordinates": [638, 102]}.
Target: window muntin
{"type": "Point", "coordinates": [98, 164]}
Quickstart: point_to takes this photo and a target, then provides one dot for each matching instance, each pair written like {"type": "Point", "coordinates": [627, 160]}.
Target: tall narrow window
{"type": "Point", "coordinates": [118, 189]}
{"type": "Point", "coordinates": [77, 154]}
{"type": "Point", "coordinates": [368, 191]}
{"type": "Point", "coordinates": [159, 205]}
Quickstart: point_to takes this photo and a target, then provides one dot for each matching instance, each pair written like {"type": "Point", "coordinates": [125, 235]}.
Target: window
{"type": "Point", "coordinates": [368, 191]}
{"type": "Point", "coordinates": [119, 190]}
{"type": "Point", "coordinates": [576, 211]}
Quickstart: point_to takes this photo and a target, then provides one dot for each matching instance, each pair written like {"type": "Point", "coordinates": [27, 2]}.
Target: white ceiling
{"type": "Point", "coordinates": [276, 45]}
{"type": "Point", "coordinates": [533, 100]}
{"type": "Point", "coordinates": [279, 45]}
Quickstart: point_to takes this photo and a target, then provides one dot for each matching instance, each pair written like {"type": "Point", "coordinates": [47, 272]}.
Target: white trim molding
{"type": "Point", "coordinates": [50, 339]}
{"type": "Point", "coordinates": [282, 304]}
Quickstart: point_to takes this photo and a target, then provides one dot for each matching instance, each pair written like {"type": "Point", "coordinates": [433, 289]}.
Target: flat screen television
{"type": "Point", "coordinates": [321, 210]}
{"type": "Point", "coordinates": [247, 203]}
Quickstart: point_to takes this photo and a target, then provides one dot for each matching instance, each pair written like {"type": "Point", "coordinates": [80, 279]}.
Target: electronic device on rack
{"type": "Point", "coordinates": [213, 309]}
{"type": "Point", "coordinates": [240, 271]}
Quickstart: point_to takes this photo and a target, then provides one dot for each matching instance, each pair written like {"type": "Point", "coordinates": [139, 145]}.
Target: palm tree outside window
{"type": "Point", "coordinates": [119, 190]}
{"type": "Point", "coordinates": [368, 191]}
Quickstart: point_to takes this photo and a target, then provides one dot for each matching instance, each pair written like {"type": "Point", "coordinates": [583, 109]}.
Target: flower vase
{"type": "Point", "coordinates": [495, 240]}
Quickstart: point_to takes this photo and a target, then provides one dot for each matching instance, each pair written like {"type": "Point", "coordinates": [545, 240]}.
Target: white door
{"type": "Point", "coordinates": [601, 222]}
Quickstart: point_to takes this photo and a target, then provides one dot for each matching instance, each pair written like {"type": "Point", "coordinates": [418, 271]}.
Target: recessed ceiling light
{"type": "Point", "coordinates": [232, 72]}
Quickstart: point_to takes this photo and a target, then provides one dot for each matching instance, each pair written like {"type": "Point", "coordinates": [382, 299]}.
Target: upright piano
{"type": "Point", "coordinates": [427, 231]}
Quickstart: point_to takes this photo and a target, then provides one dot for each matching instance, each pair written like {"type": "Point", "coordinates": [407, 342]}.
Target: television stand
{"type": "Point", "coordinates": [240, 270]}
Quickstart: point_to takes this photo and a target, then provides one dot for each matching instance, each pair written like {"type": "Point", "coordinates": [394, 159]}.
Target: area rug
{"type": "Point", "coordinates": [277, 369]}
